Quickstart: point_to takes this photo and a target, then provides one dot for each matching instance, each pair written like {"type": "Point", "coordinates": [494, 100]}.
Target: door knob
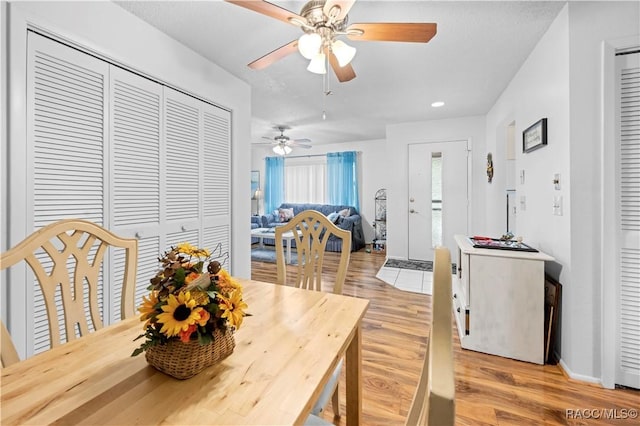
{"type": "Point", "coordinates": [184, 228]}
{"type": "Point", "coordinates": [412, 211]}
{"type": "Point", "coordinates": [411, 200]}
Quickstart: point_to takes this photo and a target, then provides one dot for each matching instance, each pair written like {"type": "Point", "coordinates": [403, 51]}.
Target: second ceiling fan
{"type": "Point", "coordinates": [282, 144]}
{"type": "Point", "coordinates": [323, 21]}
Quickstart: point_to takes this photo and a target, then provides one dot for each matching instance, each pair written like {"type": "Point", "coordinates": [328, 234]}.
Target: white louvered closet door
{"type": "Point", "coordinates": [136, 170]}
{"type": "Point", "coordinates": [216, 176]}
{"type": "Point", "coordinates": [182, 151]}
{"type": "Point", "coordinates": [139, 158]}
{"type": "Point", "coordinates": [628, 176]}
{"type": "Point", "coordinates": [66, 92]}
{"type": "Point", "coordinates": [197, 173]}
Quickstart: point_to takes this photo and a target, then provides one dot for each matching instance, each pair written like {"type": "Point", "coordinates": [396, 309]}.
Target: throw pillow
{"type": "Point", "coordinates": [345, 212]}
{"type": "Point", "coordinates": [333, 217]}
{"type": "Point", "coordinates": [285, 215]}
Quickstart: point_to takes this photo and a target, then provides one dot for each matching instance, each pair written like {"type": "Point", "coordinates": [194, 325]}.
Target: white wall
{"type": "Point", "coordinates": [399, 136]}
{"type": "Point", "coordinates": [373, 172]}
{"type": "Point", "coordinates": [589, 25]}
{"type": "Point", "coordinates": [560, 80]}
{"type": "Point", "coordinates": [114, 33]}
{"type": "Point", "coordinates": [539, 90]}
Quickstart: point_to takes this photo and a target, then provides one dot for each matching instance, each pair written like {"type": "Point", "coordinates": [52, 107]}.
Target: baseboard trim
{"type": "Point", "coordinates": [575, 376]}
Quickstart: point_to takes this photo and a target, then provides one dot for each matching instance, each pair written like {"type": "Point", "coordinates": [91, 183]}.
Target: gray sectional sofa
{"type": "Point", "coordinates": [352, 223]}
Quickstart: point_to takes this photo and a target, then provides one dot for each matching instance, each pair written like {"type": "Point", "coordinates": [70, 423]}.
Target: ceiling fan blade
{"type": "Point", "coordinates": [274, 55]}
{"type": "Point", "coordinates": [392, 31]}
{"type": "Point", "coordinates": [269, 9]}
{"type": "Point", "coordinates": [337, 9]}
{"type": "Point", "coordinates": [295, 145]}
{"type": "Point", "coordinates": [345, 73]}
{"type": "Point", "coordinates": [303, 140]}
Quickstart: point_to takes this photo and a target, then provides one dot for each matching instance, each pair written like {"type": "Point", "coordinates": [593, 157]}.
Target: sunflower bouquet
{"type": "Point", "coordinates": [188, 303]}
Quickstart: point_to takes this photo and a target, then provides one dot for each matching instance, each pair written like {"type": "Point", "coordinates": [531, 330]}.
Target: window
{"type": "Point", "coordinates": [305, 180]}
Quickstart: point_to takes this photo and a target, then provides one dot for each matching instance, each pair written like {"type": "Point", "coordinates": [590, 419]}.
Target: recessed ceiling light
{"type": "Point", "coordinates": [437, 104]}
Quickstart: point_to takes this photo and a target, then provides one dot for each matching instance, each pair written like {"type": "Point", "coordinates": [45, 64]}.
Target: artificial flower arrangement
{"type": "Point", "coordinates": [187, 303]}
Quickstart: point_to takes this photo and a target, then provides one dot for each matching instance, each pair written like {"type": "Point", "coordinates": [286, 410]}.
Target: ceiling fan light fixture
{"type": "Point", "coordinates": [309, 44]}
{"type": "Point", "coordinates": [344, 53]}
{"type": "Point", "coordinates": [317, 64]}
{"type": "Point", "coordinates": [281, 149]}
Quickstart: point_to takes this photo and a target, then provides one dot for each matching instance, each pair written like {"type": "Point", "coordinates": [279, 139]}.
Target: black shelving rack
{"type": "Point", "coordinates": [380, 221]}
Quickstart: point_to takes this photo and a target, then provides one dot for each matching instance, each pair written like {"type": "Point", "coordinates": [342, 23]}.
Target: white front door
{"type": "Point", "coordinates": [437, 199]}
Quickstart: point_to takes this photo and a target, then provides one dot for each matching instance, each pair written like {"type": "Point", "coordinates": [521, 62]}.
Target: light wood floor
{"type": "Point", "coordinates": [490, 390]}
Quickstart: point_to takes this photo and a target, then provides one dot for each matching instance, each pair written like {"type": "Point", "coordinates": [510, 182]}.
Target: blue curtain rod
{"type": "Point", "coordinates": [309, 155]}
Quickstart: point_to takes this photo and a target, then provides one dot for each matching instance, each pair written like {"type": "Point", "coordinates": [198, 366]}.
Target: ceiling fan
{"type": "Point", "coordinates": [323, 21]}
{"type": "Point", "coordinates": [282, 144]}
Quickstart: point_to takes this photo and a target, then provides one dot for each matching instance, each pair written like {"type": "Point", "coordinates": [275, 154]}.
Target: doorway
{"type": "Point", "coordinates": [438, 196]}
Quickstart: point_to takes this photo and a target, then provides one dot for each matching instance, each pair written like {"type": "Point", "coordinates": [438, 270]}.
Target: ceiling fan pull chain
{"type": "Point", "coordinates": [324, 107]}
{"type": "Point", "coordinates": [326, 91]}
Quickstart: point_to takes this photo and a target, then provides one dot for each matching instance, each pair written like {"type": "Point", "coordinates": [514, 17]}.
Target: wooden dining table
{"type": "Point", "coordinates": [285, 353]}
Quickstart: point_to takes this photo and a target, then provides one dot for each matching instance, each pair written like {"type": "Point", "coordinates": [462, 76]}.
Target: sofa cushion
{"type": "Point", "coordinates": [285, 215]}
{"type": "Point", "coordinates": [333, 217]}
{"type": "Point", "coordinates": [345, 212]}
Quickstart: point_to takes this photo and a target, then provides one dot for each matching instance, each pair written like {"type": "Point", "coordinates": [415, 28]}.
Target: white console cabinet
{"type": "Point", "coordinates": [499, 301]}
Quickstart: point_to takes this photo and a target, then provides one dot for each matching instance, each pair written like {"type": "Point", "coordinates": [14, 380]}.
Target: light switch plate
{"type": "Point", "coordinates": [556, 181]}
{"type": "Point", "coordinates": [557, 205]}
{"type": "Point", "coordinates": [522, 177]}
{"type": "Point", "coordinates": [523, 203]}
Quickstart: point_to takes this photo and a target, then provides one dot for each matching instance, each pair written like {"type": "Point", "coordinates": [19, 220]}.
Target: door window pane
{"type": "Point", "coordinates": [436, 199]}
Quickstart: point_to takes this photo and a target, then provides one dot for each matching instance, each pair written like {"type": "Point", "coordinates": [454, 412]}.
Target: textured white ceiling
{"type": "Point", "coordinates": [479, 47]}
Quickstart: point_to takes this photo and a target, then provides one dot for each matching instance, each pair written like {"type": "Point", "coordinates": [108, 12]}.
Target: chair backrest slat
{"type": "Point", "coordinates": [66, 258]}
{"type": "Point", "coordinates": [8, 353]}
{"type": "Point", "coordinates": [311, 232]}
{"type": "Point", "coordinates": [434, 399]}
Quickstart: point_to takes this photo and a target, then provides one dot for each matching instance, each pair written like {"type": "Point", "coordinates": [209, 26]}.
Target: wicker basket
{"type": "Point", "coordinates": [185, 360]}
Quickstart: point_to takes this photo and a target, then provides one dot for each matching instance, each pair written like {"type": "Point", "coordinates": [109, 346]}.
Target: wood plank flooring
{"type": "Point", "coordinates": [490, 390]}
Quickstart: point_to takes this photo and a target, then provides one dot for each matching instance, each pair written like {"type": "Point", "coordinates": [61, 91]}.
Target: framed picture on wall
{"type": "Point", "coordinates": [535, 136]}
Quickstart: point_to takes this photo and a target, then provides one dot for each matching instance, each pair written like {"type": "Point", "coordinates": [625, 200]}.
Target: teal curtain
{"type": "Point", "coordinates": [342, 178]}
{"type": "Point", "coordinates": [273, 183]}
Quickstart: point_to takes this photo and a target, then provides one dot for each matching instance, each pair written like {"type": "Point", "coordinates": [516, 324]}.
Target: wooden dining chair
{"type": "Point", "coordinates": [66, 258]}
{"type": "Point", "coordinates": [8, 353]}
{"type": "Point", "coordinates": [311, 231]}
{"type": "Point", "coordinates": [434, 399]}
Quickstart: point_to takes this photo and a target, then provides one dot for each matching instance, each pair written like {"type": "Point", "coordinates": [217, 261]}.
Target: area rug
{"type": "Point", "coordinates": [416, 265]}
{"type": "Point", "coordinates": [269, 255]}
